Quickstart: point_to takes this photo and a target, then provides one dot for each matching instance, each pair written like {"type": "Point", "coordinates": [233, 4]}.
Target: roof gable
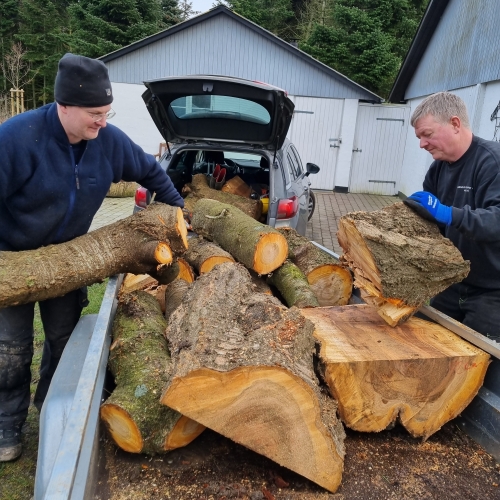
{"type": "Point", "coordinates": [456, 46]}
{"type": "Point", "coordinates": [202, 38]}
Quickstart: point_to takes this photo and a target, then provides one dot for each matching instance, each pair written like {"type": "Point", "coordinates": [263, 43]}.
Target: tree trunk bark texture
{"type": "Point", "coordinates": [257, 246]}
{"type": "Point", "coordinates": [330, 282]}
{"type": "Point", "coordinates": [399, 258]}
{"type": "Point", "coordinates": [136, 244]}
{"type": "Point", "coordinates": [136, 420]}
{"type": "Point", "coordinates": [418, 373]}
{"type": "Point", "coordinates": [199, 189]}
{"type": "Point", "coordinates": [293, 286]}
{"type": "Point", "coordinates": [243, 366]}
{"type": "Point", "coordinates": [122, 189]}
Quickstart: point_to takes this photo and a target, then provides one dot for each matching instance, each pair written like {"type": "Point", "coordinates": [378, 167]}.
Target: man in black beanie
{"type": "Point", "coordinates": [58, 163]}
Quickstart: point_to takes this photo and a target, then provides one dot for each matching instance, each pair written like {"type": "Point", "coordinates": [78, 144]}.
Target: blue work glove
{"type": "Point", "coordinates": [425, 203]}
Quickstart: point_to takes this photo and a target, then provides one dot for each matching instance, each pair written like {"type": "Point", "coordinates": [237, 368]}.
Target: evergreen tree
{"type": "Point", "coordinates": [9, 25]}
{"type": "Point", "coordinates": [102, 26]}
{"type": "Point", "coordinates": [365, 40]}
{"type": "Point", "coordinates": [44, 33]}
{"type": "Point", "coordinates": [276, 16]}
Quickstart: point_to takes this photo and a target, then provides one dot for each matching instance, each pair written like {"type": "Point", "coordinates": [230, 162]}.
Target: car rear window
{"type": "Point", "coordinates": [216, 106]}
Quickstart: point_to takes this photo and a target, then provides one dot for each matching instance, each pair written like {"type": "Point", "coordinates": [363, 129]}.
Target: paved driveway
{"type": "Point", "coordinates": [322, 228]}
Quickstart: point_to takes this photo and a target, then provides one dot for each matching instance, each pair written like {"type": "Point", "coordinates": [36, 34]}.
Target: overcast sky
{"type": "Point", "coordinates": [202, 5]}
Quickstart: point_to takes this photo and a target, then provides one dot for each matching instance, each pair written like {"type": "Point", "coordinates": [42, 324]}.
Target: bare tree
{"type": "Point", "coordinates": [16, 68]}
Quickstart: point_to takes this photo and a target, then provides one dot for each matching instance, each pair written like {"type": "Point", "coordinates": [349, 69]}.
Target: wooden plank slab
{"type": "Point", "coordinates": [418, 373]}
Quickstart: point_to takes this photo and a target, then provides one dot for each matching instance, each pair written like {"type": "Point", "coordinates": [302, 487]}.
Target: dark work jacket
{"type": "Point", "coordinates": [471, 185]}
{"type": "Point", "coordinates": [45, 197]}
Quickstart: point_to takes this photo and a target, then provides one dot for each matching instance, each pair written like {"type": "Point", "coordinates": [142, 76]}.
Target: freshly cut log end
{"type": "Point", "coordinates": [268, 410]}
{"type": "Point", "coordinates": [419, 373]}
{"type": "Point", "coordinates": [163, 254]}
{"type": "Point", "coordinates": [129, 245]}
{"type": "Point", "coordinates": [184, 432]}
{"type": "Point", "coordinates": [255, 245]}
{"type": "Point", "coordinates": [182, 228]}
{"type": "Point", "coordinates": [132, 282]}
{"type": "Point", "coordinates": [270, 253]}
{"type": "Point", "coordinates": [139, 362]}
{"type": "Point", "coordinates": [332, 284]}
{"type": "Point", "coordinates": [203, 255]}
{"type": "Point", "coordinates": [186, 272]}
{"type": "Point", "coordinates": [122, 428]}
{"type": "Point", "coordinates": [242, 365]}
{"type": "Point", "coordinates": [399, 257]}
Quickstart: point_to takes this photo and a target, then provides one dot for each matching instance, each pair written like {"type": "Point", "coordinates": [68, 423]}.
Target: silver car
{"type": "Point", "coordinates": [239, 127]}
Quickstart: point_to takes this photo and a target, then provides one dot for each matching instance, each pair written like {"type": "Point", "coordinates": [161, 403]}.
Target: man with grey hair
{"type": "Point", "coordinates": [462, 194]}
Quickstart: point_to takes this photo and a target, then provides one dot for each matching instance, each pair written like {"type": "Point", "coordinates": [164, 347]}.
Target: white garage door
{"type": "Point", "coordinates": [315, 130]}
{"type": "Point", "coordinates": [379, 143]}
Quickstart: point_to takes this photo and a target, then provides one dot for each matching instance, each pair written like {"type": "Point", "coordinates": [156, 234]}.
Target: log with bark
{"type": "Point", "coordinates": [418, 373]}
{"type": "Point", "coordinates": [174, 294]}
{"type": "Point", "coordinates": [257, 246]}
{"type": "Point", "coordinates": [330, 281]}
{"type": "Point", "coordinates": [137, 244]}
{"type": "Point", "coordinates": [242, 365]}
{"type": "Point", "coordinates": [138, 360]}
{"type": "Point", "coordinates": [199, 189]}
{"type": "Point", "coordinates": [399, 259]}
{"type": "Point", "coordinates": [292, 284]}
{"type": "Point", "coordinates": [203, 255]}
{"type": "Point", "coordinates": [122, 189]}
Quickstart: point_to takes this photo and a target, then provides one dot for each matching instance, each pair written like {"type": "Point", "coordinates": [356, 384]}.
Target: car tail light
{"type": "Point", "coordinates": [287, 207]}
{"type": "Point", "coordinates": [142, 197]}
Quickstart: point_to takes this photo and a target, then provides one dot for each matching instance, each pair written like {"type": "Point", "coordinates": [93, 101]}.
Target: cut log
{"type": "Point", "coordinates": [260, 283]}
{"type": "Point", "coordinates": [257, 246]}
{"type": "Point", "coordinates": [199, 190]}
{"type": "Point", "coordinates": [419, 373]}
{"type": "Point", "coordinates": [330, 281]}
{"type": "Point", "coordinates": [237, 186]}
{"type": "Point", "coordinates": [174, 294]}
{"type": "Point", "coordinates": [135, 245]}
{"type": "Point", "coordinates": [293, 286]}
{"type": "Point", "coordinates": [132, 282]}
{"type": "Point", "coordinates": [186, 272]}
{"type": "Point", "coordinates": [243, 366]}
{"type": "Point", "coordinates": [399, 258]}
{"type": "Point", "coordinates": [122, 189]}
{"type": "Point", "coordinates": [203, 255]}
{"type": "Point", "coordinates": [136, 420]}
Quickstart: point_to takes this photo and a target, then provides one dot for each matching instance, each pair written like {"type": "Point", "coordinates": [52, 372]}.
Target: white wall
{"type": "Point", "coordinates": [486, 128]}
{"type": "Point", "coordinates": [133, 117]}
{"type": "Point", "coordinates": [480, 100]}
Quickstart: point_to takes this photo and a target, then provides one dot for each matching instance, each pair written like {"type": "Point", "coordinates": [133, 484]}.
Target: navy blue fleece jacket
{"type": "Point", "coordinates": [45, 197]}
{"type": "Point", "coordinates": [471, 185]}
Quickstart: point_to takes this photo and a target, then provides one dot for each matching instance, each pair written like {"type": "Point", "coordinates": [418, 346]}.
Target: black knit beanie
{"type": "Point", "coordinates": [82, 81]}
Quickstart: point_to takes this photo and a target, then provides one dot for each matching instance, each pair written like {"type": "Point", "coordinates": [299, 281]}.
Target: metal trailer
{"type": "Point", "coordinates": [69, 422]}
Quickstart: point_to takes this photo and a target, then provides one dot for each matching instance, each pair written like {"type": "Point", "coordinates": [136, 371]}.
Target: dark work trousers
{"type": "Point", "coordinates": [477, 308]}
{"type": "Point", "coordinates": [59, 318]}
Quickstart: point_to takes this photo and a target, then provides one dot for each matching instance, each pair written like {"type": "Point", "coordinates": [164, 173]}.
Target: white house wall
{"type": "Point", "coordinates": [133, 117]}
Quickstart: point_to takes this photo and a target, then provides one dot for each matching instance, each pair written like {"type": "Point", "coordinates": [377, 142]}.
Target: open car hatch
{"type": "Point", "coordinates": [219, 109]}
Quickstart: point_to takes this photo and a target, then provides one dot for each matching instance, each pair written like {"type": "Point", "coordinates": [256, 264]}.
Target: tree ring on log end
{"type": "Point", "coordinates": [270, 252]}
{"type": "Point", "coordinates": [122, 428]}
{"type": "Point", "coordinates": [185, 431]}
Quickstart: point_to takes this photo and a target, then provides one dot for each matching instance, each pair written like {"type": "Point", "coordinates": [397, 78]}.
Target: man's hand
{"type": "Point", "coordinates": [425, 204]}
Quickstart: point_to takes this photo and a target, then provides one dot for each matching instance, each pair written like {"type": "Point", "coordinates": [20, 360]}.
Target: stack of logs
{"type": "Point", "coordinates": [242, 324]}
{"type": "Point", "coordinates": [222, 330]}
